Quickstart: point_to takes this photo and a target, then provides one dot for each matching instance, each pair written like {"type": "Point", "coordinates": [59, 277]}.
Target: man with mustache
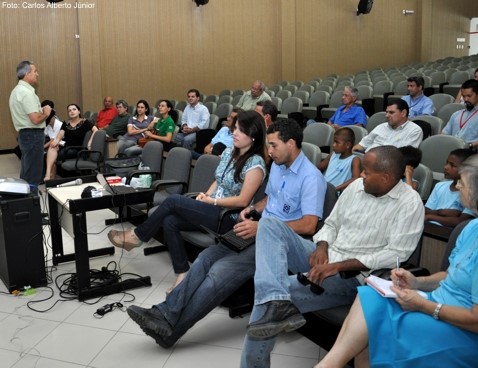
{"type": "Point", "coordinates": [464, 123]}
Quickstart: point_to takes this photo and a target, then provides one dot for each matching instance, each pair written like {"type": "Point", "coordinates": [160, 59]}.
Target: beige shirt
{"type": "Point", "coordinates": [24, 101]}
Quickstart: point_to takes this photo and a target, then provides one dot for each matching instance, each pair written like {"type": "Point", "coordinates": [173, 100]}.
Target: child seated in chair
{"type": "Point", "coordinates": [341, 166]}
{"type": "Point", "coordinates": [444, 207]}
{"type": "Point", "coordinates": [412, 157]}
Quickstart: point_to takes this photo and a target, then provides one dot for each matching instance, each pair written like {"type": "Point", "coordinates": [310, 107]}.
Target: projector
{"type": "Point", "coordinates": [14, 186]}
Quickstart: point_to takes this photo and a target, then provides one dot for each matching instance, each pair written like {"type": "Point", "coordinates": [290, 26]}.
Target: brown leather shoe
{"type": "Point", "coordinates": [124, 239]}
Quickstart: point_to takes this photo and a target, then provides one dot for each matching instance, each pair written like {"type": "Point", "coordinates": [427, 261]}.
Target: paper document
{"type": "Point", "coordinates": [383, 287]}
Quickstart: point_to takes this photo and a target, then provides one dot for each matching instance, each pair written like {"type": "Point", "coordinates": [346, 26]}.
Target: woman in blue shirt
{"type": "Point", "coordinates": [238, 176]}
{"type": "Point", "coordinates": [440, 330]}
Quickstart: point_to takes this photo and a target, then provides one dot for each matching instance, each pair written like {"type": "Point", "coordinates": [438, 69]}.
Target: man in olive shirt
{"type": "Point", "coordinates": [119, 124]}
{"type": "Point", "coordinates": [29, 121]}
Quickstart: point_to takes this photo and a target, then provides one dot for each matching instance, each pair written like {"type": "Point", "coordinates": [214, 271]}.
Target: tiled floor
{"type": "Point", "coordinates": [68, 335]}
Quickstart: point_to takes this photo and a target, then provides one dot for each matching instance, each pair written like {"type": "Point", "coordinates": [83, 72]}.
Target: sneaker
{"type": "Point", "coordinates": [150, 319]}
{"type": "Point", "coordinates": [280, 315]}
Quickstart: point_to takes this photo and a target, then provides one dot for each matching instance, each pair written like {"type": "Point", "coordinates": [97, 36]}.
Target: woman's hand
{"type": "Point", "coordinates": [204, 197]}
{"type": "Point", "coordinates": [408, 299]}
{"type": "Point", "coordinates": [403, 279]}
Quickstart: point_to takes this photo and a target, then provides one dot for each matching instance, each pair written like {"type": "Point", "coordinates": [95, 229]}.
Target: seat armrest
{"type": "Point", "coordinates": [163, 184]}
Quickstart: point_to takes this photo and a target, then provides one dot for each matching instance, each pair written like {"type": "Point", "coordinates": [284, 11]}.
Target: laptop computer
{"type": "Point", "coordinates": [114, 189]}
{"type": "Point", "coordinates": [231, 240]}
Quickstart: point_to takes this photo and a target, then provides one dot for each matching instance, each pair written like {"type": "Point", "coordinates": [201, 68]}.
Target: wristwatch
{"type": "Point", "coordinates": [470, 145]}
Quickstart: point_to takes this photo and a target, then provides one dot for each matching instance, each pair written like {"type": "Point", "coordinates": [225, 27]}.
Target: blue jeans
{"type": "Point", "coordinates": [279, 249]}
{"type": "Point", "coordinates": [186, 140]}
{"type": "Point", "coordinates": [214, 275]}
{"type": "Point", "coordinates": [31, 144]}
{"type": "Point", "coordinates": [178, 213]}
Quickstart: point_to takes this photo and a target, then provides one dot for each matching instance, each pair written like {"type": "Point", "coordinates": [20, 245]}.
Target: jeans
{"type": "Point", "coordinates": [214, 276]}
{"type": "Point", "coordinates": [124, 143]}
{"type": "Point", "coordinates": [178, 213]}
{"type": "Point", "coordinates": [279, 249]}
{"type": "Point", "coordinates": [186, 140]}
{"type": "Point", "coordinates": [31, 144]}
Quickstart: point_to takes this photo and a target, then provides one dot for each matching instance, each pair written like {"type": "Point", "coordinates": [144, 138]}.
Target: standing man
{"type": "Point", "coordinates": [257, 93]}
{"type": "Point", "coordinates": [106, 114]}
{"type": "Point", "coordinates": [349, 113]}
{"type": "Point", "coordinates": [29, 121]}
{"type": "Point", "coordinates": [376, 219]}
{"type": "Point", "coordinates": [464, 123]}
{"type": "Point", "coordinates": [195, 117]}
{"type": "Point", "coordinates": [295, 195]}
{"type": "Point", "coordinates": [398, 131]}
{"type": "Point", "coordinates": [418, 103]}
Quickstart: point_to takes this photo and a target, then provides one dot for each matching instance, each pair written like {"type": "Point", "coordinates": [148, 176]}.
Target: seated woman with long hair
{"type": "Point", "coordinates": [72, 133]}
{"type": "Point", "coordinates": [239, 175]}
{"type": "Point", "coordinates": [438, 330]}
{"type": "Point", "coordinates": [138, 125]}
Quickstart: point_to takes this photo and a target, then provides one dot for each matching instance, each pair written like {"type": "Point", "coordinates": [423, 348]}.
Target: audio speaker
{"type": "Point", "coordinates": [22, 260]}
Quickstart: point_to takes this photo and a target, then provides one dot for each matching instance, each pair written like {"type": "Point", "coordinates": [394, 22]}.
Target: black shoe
{"type": "Point", "coordinates": [164, 342]}
{"type": "Point", "coordinates": [279, 316]}
{"type": "Point", "coordinates": [150, 320]}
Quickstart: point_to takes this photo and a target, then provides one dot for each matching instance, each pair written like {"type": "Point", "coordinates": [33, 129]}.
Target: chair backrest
{"type": "Point", "coordinates": [325, 88]}
{"type": "Point", "coordinates": [181, 105]}
{"type": "Point", "coordinates": [319, 98]}
{"type": "Point", "coordinates": [283, 94]}
{"type": "Point", "coordinates": [303, 95]}
{"type": "Point", "coordinates": [447, 111]}
{"type": "Point", "coordinates": [436, 123]}
{"type": "Point", "coordinates": [152, 155]}
{"type": "Point", "coordinates": [235, 100]}
{"type": "Point", "coordinates": [98, 143]}
{"type": "Point", "coordinates": [401, 88]}
{"type": "Point", "coordinates": [293, 89]}
{"type": "Point", "coordinates": [277, 101]}
{"type": "Point", "coordinates": [213, 121]}
{"type": "Point", "coordinates": [276, 88]}
{"type": "Point", "coordinates": [291, 104]}
{"type": "Point", "coordinates": [329, 203]}
{"type": "Point", "coordinates": [237, 92]}
{"type": "Point", "coordinates": [435, 151]}
{"type": "Point", "coordinates": [424, 176]}
{"type": "Point", "coordinates": [225, 92]}
{"type": "Point", "coordinates": [203, 173]}
{"type": "Point", "coordinates": [364, 92]}
{"type": "Point", "coordinates": [224, 99]}
{"type": "Point", "coordinates": [359, 132]}
{"type": "Point", "coordinates": [438, 78]}
{"type": "Point", "coordinates": [451, 243]}
{"type": "Point", "coordinates": [336, 99]}
{"type": "Point", "coordinates": [382, 87]}
{"type": "Point", "coordinates": [211, 106]}
{"type": "Point", "coordinates": [375, 120]}
{"type": "Point", "coordinates": [441, 99]}
{"type": "Point", "coordinates": [459, 77]}
{"type": "Point", "coordinates": [223, 110]}
{"type": "Point", "coordinates": [312, 152]}
{"type": "Point", "coordinates": [308, 88]}
{"type": "Point", "coordinates": [425, 126]}
{"type": "Point", "coordinates": [177, 166]}
{"type": "Point", "coordinates": [320, 134]}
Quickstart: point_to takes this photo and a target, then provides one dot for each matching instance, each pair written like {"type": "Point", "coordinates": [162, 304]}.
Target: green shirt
{"type": "Point", "coordinates": [165, 126]}
{"type": "Point", "coordinates": [24, 101]}
{"type": "Point", "coordinates": [118, 126]}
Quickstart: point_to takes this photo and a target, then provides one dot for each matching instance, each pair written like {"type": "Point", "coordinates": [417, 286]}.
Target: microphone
{"type": "Point", "coordinates": [70, 183]}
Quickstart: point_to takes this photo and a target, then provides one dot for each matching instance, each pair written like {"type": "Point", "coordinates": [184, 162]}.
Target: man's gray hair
{"type": "Point", "coordinates": [23, 68]}
{"type": "Point", "coordinates": [122, 102]}
{"type": "Point", "coordinates": [353, 91]}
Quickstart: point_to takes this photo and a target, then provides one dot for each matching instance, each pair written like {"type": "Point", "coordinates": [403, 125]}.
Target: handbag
{"type": "Point", "coordinates": [142, 141]}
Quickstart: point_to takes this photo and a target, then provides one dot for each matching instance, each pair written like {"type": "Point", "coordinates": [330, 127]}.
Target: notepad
{"type": "Point", "coordinates": [383, 287]}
